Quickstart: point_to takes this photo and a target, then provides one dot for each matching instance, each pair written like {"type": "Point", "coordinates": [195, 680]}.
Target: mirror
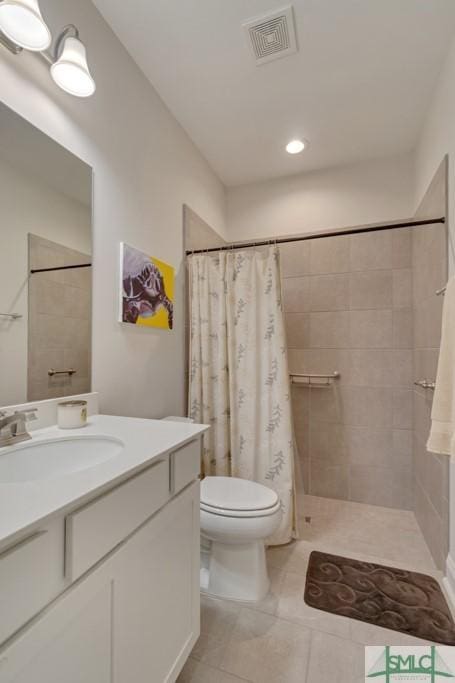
{"type": "Point", "coordinates": [45, 266]}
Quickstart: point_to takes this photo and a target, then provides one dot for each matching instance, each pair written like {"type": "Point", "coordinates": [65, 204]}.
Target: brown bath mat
{"type": "Point", "coordinates": [384, 596]}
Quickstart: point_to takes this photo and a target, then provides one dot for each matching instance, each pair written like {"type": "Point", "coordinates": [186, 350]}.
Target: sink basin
{"type": "Point", "coordinates": [40, 460]}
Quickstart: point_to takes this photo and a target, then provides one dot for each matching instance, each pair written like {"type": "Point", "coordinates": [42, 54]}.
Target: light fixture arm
{"type": "Point", "coordinates": [12, 47]}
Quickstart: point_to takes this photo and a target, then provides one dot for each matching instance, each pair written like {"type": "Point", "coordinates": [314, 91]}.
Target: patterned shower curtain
{"type": "Point", "coordinates": [239, 379]}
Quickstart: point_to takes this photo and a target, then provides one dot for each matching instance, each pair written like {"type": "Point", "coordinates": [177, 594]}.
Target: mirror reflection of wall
{"type": "Point", "coordinates": [45, 226]}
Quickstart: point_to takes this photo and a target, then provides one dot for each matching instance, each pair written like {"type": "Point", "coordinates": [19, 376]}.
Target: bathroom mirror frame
{"type": "Point", "coordinates": [46, 193]}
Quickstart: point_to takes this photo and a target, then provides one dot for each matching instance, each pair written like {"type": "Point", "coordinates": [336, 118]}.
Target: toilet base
{"type": "Point", "coordinates": [236, 572]}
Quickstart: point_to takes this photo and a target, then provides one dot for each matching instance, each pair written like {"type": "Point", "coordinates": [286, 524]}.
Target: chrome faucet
{"type": "Point", "coordinates": [13, 426]}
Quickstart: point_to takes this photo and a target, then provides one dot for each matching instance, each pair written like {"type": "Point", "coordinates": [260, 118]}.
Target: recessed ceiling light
{"type": "Point", "coordinates": [296, 146]}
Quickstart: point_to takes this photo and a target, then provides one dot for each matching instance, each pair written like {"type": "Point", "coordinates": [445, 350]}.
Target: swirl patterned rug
{"type": "Point", "coordinates": [404, 601]}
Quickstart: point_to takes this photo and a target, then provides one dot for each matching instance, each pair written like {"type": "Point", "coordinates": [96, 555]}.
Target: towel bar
{"type": "Point", "coordinates": [313, 379]}
{"type": "Point", "coordinates": [425, 384]}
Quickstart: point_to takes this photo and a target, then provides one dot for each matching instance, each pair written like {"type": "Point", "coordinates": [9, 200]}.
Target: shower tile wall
{"type": "Point", "coordinates": [348, 307]}
{"type": "Point", "coordinates": [431, 472]}
{"type": "Point", "coordinates": [59, 321]}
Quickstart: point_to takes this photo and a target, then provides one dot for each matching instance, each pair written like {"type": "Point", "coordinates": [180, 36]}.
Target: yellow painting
{"type": "Point", "coordinates": [147, 296]}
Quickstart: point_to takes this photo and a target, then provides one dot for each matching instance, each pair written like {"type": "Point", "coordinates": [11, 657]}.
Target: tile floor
{"type": "Point", "coordinates": [281, 639]}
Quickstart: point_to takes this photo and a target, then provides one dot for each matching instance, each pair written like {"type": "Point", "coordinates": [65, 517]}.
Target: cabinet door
{"type": "Point", "coordinates": [156, 615]}
{"type": "Point", "coordinates": [70, 643]}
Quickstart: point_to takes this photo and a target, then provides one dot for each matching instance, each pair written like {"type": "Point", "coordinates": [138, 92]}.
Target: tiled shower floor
{"type": "Point", "coordinates": [281, 640]}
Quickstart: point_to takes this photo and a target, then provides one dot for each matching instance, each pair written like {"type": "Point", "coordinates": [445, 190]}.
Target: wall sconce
{"type": "Point", "coordinates": [70, 70]}
{"type": "Point", "coordinates": [22, 23]}
{"type": "Point", "coordinates": [22, 27]}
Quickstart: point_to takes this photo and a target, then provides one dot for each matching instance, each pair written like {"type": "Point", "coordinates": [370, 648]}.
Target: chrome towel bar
{"type": "Point", "coordinates": [425, 384]}
{"type": "Point", "coordinates": [313, 379]}
{"type": "Point", "coordinates": [11, 316]}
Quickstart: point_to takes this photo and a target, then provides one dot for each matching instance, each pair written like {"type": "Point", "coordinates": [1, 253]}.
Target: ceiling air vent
{"type": "Point", "coordinates": [272, 36]}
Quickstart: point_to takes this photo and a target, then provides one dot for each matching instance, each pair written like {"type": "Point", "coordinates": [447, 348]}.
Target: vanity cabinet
{"type": "Point", "coordinates": [157, 623]}
{"type": "Point", "coordinates": [132, 616]}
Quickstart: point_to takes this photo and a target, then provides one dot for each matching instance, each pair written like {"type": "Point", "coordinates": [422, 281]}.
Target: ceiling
{"type": "Point", "coordinates": [358, 87]}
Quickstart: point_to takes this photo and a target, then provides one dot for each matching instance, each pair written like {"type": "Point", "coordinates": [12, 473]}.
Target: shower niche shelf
{"type": "Point", "coordinates": [314, 380]}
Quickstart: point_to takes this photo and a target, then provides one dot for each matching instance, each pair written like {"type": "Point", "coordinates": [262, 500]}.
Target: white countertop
{"type": "Point", "coordinates": [24, 505]}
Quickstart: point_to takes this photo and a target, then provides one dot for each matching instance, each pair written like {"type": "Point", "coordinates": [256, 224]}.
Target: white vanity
{"type": "Point", "coordinates": [99, 557]}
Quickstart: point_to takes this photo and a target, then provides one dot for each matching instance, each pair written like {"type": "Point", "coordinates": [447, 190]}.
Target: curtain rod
{"type": "Point", "coordinates": [48, 270]}
{"type": "Point", "coordinates": [318, 235]}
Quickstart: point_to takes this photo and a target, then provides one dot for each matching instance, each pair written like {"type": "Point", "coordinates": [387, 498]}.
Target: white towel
{"type": "Point", "coordinates": [442, 432]}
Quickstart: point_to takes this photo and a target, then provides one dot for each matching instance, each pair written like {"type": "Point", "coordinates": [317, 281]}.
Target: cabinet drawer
{"type": "Point", "coordinates": [95, 529]}
{"type": "Point", "coordinates": [185, 465]}
{"type": "Point", "coordinates": [31, 575]}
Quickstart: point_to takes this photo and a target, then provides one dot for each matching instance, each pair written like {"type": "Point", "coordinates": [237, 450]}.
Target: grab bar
{"type": "Point", "coordinates": [425, 384]}
{"type": "Point", "coordinates": [313, 378]}
{"type": "Point", "coordinates": [11, 316]}
{"type": "Point", "coordinates": [53, 372]}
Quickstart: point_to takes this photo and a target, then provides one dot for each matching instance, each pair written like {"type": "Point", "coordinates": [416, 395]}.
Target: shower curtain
{"type": "Point", "coordinates": [239, 379]}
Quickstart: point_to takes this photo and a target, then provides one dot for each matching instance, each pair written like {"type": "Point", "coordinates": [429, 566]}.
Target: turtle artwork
{"type": "Point", "coordinates": [147, 289]}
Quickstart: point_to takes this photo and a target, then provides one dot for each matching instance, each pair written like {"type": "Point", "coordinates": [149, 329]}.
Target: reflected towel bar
{"type": "Point", "coordinates": [53, 372]}
{"type": "Point", "coordinates": [313, 379]}
{"type": "Point", "coordinates": [441, 292]}
{"type": "Point", "coordinates": [11, 316]}
{"type": "Point", "coordinates": [425, 384]}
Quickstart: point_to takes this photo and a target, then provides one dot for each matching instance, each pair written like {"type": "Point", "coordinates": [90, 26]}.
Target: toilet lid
{"type": "Point", "coordinates": [231, 493]}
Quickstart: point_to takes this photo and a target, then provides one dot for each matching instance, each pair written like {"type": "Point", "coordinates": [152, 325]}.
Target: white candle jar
{"type": "Point", "coordinates": [71, 414]}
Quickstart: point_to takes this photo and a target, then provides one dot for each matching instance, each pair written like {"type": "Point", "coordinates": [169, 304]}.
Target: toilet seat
{"type": "Point", "coordinates": [234, 497]}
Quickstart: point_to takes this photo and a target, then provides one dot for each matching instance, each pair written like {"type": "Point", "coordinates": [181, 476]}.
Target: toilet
{"type": "Point", "coordinates": [237, 516]}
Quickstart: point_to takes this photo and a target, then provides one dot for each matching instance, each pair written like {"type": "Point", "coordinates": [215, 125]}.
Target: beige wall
{"type": "Point", "coordinates": [347, 307]}
{"type": "Point", "coordinates": [357, 194]}
{"type": "Point", "coordinates": [28, 205]}
{"type": "Point", "coordinates": [145, 169]}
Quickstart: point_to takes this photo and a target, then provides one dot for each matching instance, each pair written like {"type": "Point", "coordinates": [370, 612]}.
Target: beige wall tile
{"type": "Point", "coordinates": [403, 329]}
{"type": "Point", "coordinates": [330, 481]}
{"type": "Point", "coordinates": [402, 248]}
{"type": "Point", "coordinates": [381, 367]}
{"type": "Point", "coordinates": [402, 288]}
{"type": "Point", "coordinates": [297, 330]}
{"type": "Point", "coordinates": [329, 330]}
{"type": "Point", "coordinates": [402, 447]}
{"type": "Point", "coordinates": [79, 360]}
{"type": "Point", "coordinates": [371, 329]}
{"type": "Point", "coordinates": [327, 444]}
{"type": "Point", "coordinates": [330, 255]}
{"type": "Point", "coordinates": [371, 250]}
{"type": "Point", "coordinates": [296, 294]}
{"type": "Point", "coordinates": [371, 289]}
{"type": "Point", "coordinates": [402, 408]}
{"type": "Point", "coordinates": [431, 526]}
{"type": "Point", "coordinates": [329, 292]}
{"type": "Point", "coordinates": [300, 405]}
{"type": "Point", "coordinates": [366, 446]}
{"type": "Point", "coordinates": [326, 404]}
{"type": "Point", "coordinates": [387, 486]}
{"type": "Point", "coordinates": [76, 302]}
{"type": "Point", "coordinates": [295, 258]}
{"type": "Point", "coordinates": [367, 406]}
